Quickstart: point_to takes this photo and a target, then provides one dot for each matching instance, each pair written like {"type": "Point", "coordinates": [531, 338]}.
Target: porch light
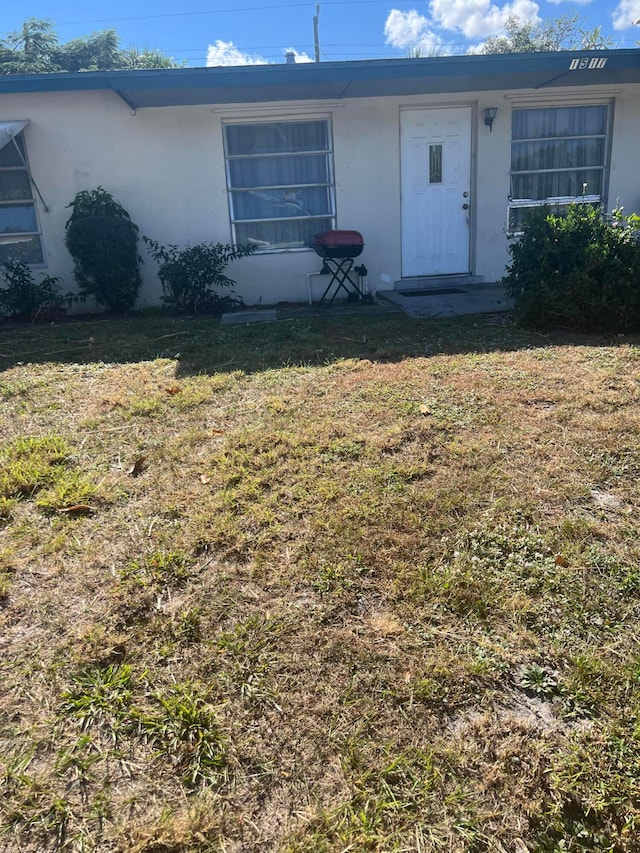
{"type": "Point", "coordinates": [489, 117]}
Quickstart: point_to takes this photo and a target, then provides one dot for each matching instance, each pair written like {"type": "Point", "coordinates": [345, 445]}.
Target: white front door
{"type": "Point", "coordinates": [436, 188]}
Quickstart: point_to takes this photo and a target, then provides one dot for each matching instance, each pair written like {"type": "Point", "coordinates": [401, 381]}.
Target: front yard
{"type": "Point", "coordinates": [328, 585]}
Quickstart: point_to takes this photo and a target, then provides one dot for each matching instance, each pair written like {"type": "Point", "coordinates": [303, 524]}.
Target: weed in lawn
{"type": "Point", "coordinates": [459, 590]}
{"type": "Point", "coordinates": [76, 760]}
{"type": "Point", "coordinates": [338, 578]}
{"type": "Point", "coordinates": [99, 697]}
{"type": "Point", "coordinates": [7, 505]}
{"type": "Point", "coordinates": [187, 732]}
{"type": "Point", "coordinates": [161, 569]}
{"type": "Point", "coordinates": [494, 572]}
{"type": "Point", "coordinates": [71, 489]}
{"type": "Point", "coordinates": [145, 407]}
{"type": "Point", "coordinates": [196, 392]}
{"type": "Point", "coordinates": [28, 464]}
{"type": "Point", "coordinates": [248, 648]}
{"type": "Point", "coordinates": [625, 573]}
{"type": "Point", "coordinates": [187, 625]}
{"type": "Point", "coordinates": [344, 448]}
{"type": "Point", "coordinates": [538, 680]}
{"type": "Point", "coordinates": [9, 390]}
{"type": "Point", "coordinates": [586, 685]}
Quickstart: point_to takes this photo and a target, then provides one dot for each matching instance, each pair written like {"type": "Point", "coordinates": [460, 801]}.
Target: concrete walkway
{"type": "Point", "coordinates": [470, 299]}
{"type": "Point", "coordinates": [301, 312]}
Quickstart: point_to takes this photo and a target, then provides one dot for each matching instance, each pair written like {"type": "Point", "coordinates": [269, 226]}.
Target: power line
{"type": "Point", "coordinates": [345, 45]}
{"type": "Point", "coordinates": [219, 12]}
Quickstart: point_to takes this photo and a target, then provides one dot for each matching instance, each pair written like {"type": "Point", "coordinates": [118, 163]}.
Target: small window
{"type": "Point", "coordinates": [558, 156]}
{"type": "Point", "coordinates": [20, 237]}
{"type": "Point", "coordinates": [435, 164]}
{"type": "Point", "coordinates": [280, 182]}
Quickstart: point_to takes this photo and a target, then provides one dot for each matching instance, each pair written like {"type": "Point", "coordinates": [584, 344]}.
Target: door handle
{"type": "Point", "coordinates": [465, 207]}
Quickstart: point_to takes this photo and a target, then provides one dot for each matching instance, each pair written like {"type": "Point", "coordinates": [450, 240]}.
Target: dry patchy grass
{"type": "Point", "coordinates": [367, 585]}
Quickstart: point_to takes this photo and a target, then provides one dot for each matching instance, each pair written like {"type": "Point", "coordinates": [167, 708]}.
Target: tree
{"type": "Point", "coordinates": [424, 52]}
{"type": "Point", "coordinates": [103, 242]}
{"type": "Point", "coordinates": [594, 40]}
{"type": "Point", "coordinates": [562, 33]}
{"type": "Point", "coordinates": [35, 49]}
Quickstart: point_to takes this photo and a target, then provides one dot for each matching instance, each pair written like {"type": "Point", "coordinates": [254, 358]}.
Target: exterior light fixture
{"type": "Point", "coordinates": [489, 117]}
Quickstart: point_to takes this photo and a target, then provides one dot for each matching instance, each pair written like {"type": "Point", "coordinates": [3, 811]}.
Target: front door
{"type": "Point", "coordinates": [436, 187]}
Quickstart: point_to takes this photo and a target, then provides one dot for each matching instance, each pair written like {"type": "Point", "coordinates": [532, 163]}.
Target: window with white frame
{"type": "Point", "coordinates": [280, 182]}
{"type": "Point", "coordinates": [558, 156]}
{"type": "Point", "coordinates": [20, 237]}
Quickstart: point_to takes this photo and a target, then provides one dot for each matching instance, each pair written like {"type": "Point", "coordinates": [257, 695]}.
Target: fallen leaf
{"type": "Point", "coordinates": [173, 389]}
{"type": "Point", "coordinates": [424, 409]}
{"type": "Point", "coordinates": [204, 479]}
{"type": "Point", "coordinates": [217, 432]}
{"type": "Point", "coordinates": [562, 561]}
{"type": "Point", "coordinates": [137, 466]}
{"type": "Point", "coordinates": [77, 509]}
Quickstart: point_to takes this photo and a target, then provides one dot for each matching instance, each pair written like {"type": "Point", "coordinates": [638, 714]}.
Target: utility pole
{"type": "Point", "coordinates": [316, 38]}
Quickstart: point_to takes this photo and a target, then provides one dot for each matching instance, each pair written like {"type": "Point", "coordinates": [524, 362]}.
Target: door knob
{"type": "Point", "coordinates": [465, 194]}
{"type": "Point", "coordinates": [465, 207]}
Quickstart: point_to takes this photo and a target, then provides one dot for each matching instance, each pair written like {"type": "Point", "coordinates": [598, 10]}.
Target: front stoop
{"type": "Point", "coordinates": [439, 282]}
{"type": "Point", "coordinates": [480, 298]}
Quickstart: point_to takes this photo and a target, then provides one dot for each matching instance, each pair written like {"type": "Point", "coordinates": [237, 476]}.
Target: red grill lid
{"type": "Point", "coordinates": [339, 238]}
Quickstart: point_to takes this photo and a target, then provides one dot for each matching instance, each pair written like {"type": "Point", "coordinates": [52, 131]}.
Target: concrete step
{"type": "Point", "coordinates": [439, 282]}
{"type": "Point", "coordinates": [481, 299]}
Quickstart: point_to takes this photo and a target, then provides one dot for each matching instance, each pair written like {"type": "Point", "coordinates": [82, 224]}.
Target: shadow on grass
{"type": "Point", "coordinates": [202, 345]}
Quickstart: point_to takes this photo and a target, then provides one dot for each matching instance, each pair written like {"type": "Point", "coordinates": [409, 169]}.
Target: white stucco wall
{"type": "Point", "coordinates": [166, 166]}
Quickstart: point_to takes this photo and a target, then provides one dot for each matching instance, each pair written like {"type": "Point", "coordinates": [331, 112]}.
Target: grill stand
{"type": "Point", "coordinates": [339, 269]}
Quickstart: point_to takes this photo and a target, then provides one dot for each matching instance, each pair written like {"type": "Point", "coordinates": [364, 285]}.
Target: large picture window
{"type": "Point", "coordinates": [558, 155]}
{"type": "Point", "coordinates": [280, 182]}
{"type": "Point", "coordinates": [19, 229]}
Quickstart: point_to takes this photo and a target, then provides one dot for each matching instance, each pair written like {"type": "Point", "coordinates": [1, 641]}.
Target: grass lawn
{"type": "Point", "coordinates": [364, 584]}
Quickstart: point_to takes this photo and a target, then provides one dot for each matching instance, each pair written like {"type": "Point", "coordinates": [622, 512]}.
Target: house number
{"type": "Point", "coordinates": [589, 64]}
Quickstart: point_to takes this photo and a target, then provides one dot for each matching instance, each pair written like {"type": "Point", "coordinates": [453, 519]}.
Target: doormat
{"type": "Point", "coordinates": [444, 291]}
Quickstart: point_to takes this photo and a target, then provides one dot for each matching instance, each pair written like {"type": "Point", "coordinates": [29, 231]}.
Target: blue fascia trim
{"type": "Point", "coordinates": [621, 65]}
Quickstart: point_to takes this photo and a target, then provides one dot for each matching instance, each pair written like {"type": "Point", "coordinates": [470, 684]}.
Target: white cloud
{"type": "Point", "coordinates": [480, 18]}
{"type": "Point", "coordinates": [575, 2]}
{"type": "Point", "coordinates": [300, 57]}
{"type": "Point", "coordinates": [409, 30]}
{"type": "Point", "coordinates": [625, 13]}
{"type": "Point", "coordinates": [476, 49]}
{"type": "Point", "coordinates": [226, 53]}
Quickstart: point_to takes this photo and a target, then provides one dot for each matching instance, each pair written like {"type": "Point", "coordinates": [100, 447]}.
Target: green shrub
{"type": "Point", "coordinates": [103, 242]}
{"type": "Point", "coordinates": [577, 270]}
{"type": "Point", "coordinates": [189, 275]}
{"type": "Point", "coordinates": [23, 298]}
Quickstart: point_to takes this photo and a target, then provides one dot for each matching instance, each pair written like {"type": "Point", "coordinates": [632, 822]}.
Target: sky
{"type": "Point", "coordinates": [240, 32]}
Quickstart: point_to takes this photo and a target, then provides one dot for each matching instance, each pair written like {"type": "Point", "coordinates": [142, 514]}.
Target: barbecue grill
{"type": "Point", "coordinates": [338, 250]}
{"type": "Point", "coordinates": [339, 244]}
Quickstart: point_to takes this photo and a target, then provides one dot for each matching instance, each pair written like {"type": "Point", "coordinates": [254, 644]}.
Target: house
{"type": "Point", "coordinates": [435, 161]}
